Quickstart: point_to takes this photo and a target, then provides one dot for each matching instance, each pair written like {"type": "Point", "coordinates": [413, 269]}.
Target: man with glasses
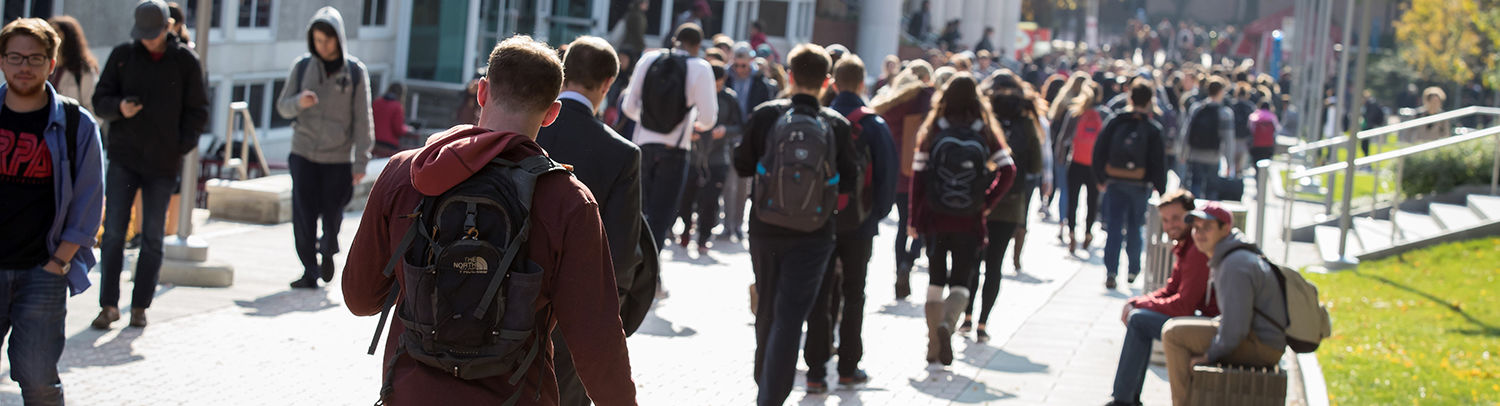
{"type": "Point", "coordinates": [751, 89]}
{"type": "Point", "coordinates": [152, 94]}
{"type": "Point", "coordinates": [53, 195]}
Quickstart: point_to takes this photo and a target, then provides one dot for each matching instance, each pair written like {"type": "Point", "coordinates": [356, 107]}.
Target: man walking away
{"type": "Point", "coordinates": [1249, 296]}
{"type": "Point", "coordinates": [709, 171]}
{"type": "Point", "coordinates": [151, 93]}
{"type": "Point", "coordinates": [53, 196]}
{"type": "Point", "coordinates": [842, 296]}
{"type": "Point", "coordinates": [610, 167]}
{"type": "Point", "coordinates": [329, 97]}
{"type": "Point", "coordinates": [1209, 136]}
{"type": "Point", "coordinates": [1130, 161]}
{"type": "Point", "coordinates": [792, 144]}
{"type": "Point", "coordinates": [1181, 297]}
{"type": "Point", "coordinates": [671, 94]}
{"type": "Point", "coordinates": [564, 253]}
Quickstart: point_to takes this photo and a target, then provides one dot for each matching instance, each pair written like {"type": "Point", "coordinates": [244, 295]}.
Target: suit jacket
{"type": "Point", "coordinates": [761, 91]}
{"type": "Point", "coordinates": [610, 167]}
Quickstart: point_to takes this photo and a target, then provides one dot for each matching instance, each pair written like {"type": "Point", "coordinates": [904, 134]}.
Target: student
{"type": "Point", "coordinates": [1182, 296]}
{"type": "Point", "coordinates": [751, 88]}
{"type": "Point", "coordinates": [53, 196]}
{"type": "Point", "coordinates": [709, 168]}
{"type": "Point", "coordinates": [904, 106]}
{"type": "Point", "coordinates": [790, 244]}
{"type": "Point", "coordinates": [959, 131]}
{"type": "Point", "coordinates": [1129, 162]}
{"type": "Point", "coordinates": [842, 296]}
{"type": "Point", "coordinates": [1080, 131]}
{"type": "Point", "coordinates": [1250, 300]}
{"type": "Point", "coordinates": [1208, 136]}
{"type": "Point", "coordinates": [566, 240]}
{"type": "Point", "coordinates": [328, 93]}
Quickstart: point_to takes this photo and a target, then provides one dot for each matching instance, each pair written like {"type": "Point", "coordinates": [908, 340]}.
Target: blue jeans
{"type": "Point", "coordinates": [663, 174]}
{"type": "Point", "coordinates": [1200, 180]}
{"type": "Point", "coordinates": [788, 274]}
{"type": "Point", "coordinates": [1141, 328]}
{"type": "Point", "coordinates": [1125, 207]}
{"type": "Point", "coordinates": [33, 304]}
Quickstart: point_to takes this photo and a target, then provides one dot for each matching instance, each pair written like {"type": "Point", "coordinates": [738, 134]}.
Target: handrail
{"type": "Point", "coordinates": [1400, 153]}
{"type": "Point", "coordinates": [1379, 131]}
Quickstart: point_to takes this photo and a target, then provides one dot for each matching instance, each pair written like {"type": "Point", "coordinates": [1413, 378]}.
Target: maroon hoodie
{"type": "Point", "coordinates": [567, 239]}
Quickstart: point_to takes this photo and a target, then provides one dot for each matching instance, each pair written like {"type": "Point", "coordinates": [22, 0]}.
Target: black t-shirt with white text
{"type": "Point", "coordinates": [26, 171]}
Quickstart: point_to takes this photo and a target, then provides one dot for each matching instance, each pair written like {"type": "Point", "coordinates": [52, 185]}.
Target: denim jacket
{"type": "Point", "coordinates": [78, 188]}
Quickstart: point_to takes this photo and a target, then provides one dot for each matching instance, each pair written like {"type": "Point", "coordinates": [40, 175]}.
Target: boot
{"type": "Point", "coordinates": [958, 299]}
{"type": "Point", "coordinates": [934, 312]}
{"type": "Point", "coordinates": [903, 281]}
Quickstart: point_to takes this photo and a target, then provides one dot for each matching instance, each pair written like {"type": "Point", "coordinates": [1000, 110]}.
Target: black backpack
{"type": "Point", "coordinates": [469, 290]}
{"type": "Point", "coordinates": [664, 93]}
{"type": "Point", "coordinates": [957, 172]}
{"type": "Point", "coordinates": [796, 184]}
{"type": "Point", "coordinates": [1203, 131]}
{"type": "Point", "coordinates": [1128, 147]}
{"type": "Point", "coordinates": [855, 207]}
{"type": "Point", "coordinates": [1242, 111]}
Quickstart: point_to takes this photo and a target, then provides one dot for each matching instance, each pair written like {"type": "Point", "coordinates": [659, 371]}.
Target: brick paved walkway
{"type": "Point", "coordinates": [1056, 337]}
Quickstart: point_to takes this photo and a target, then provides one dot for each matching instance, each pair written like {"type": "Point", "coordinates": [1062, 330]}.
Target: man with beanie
{"type": "Point", "coordinates": [151, 93]}
{"type": "Point", "coordinates": [328, 96]}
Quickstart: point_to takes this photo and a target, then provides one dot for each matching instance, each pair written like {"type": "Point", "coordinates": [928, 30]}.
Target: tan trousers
{"type": "Point", "coordinates": [1183, 338]}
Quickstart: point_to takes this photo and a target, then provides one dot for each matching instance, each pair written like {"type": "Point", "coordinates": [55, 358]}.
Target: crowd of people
{"type": "Point", "coordinates": [527, 238]}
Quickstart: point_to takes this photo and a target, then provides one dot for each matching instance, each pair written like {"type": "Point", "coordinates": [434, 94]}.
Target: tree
{"type": "Point", "coordinates": [1439, 46]}
{"type": "Point", "coordinates": [1488, 23]}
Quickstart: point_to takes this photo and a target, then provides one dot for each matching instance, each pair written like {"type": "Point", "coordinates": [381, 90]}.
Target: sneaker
{"type": "Point", "coordinates": [966, 327]}
{"type": "Point", "coordinates": [981, 336]}
{"type": "Point", "coordinates": [859, 378]}
{"type": "Point", "coordinates": [1130, 278]}
{"type": "Point", "coordinates": [817, 387]}
{"type": "Point", "coordinates": [327, 268]}
{"type": "Point", "coordinates": [305, 284]}
{"type": "Point", "coordinates": [1110, 283]}
{"type": "Point", "coordinates": [107, 315]}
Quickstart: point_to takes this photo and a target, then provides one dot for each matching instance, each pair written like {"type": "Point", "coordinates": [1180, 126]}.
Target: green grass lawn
{"type": "Point", "coordinates": [1364, 179]}
{"type": "Point", "coordinates": [1423, 328]}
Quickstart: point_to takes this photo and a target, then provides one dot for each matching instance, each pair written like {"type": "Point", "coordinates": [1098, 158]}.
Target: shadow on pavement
{"type": "Point", "coordinates": [1003, 361]}
{"type": "Point", "coordinates": [1026, 278]}
{"type": "Point", "coordinates": [903, 308]}
{"type": "Point", "coordinates": [654, 325]}
{"type": "Point", "coordinates": [844, 397]}
{"type": "Point", "coordinates": [83, 350]}
{"type": "Point", "coordinates": [309, 300]}
{"type": "Point", "coordinates": [935, 384]}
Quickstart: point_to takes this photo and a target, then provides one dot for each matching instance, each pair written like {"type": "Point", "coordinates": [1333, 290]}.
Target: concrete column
{"type": "Point", "coordinates": [976, 14]}
{"type": "Point", "coordinates": [878, 35]}
{"type": "Point", "coordinates": [731, 19]}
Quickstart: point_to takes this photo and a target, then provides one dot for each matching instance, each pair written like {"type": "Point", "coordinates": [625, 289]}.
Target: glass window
{"type": "Point", "coordinates": [253, 94]}
{"type": "Point", "coordinates": [192, 13]}
{"type": "Point", "coordinates": [773, 15]}
{"type": "Point", "coordinates": [15, 9]}
{"type": "Point", "coordinates": [438, 31]}
{"type": "Point", "coordinates": [374, 13]}
{"type": "Point", "coordinates": [255, 14]}
{"type": "Point", "coordinates": [276, 120]}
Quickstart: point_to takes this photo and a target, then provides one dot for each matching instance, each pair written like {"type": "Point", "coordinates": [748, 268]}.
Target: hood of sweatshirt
{"type": "Point", "coordinates": [331, 17]}
{"type": "Point", "coordinates": [453, 155]}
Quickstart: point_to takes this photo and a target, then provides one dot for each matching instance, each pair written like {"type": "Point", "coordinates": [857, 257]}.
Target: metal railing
{"type": "Point", "coordinates": [1398, 155]}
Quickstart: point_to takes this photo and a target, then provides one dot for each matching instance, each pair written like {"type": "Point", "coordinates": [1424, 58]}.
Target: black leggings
{"type": "Point", "coordinates": [1082, 176]}
{"type": "Point", "coordinates": [994, 255]}
{"type": "Point", "coordinates": [965, 249]}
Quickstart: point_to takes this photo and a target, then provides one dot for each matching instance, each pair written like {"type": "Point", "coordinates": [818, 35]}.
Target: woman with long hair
{"type": "Point", "coordinates": [904, 104]}
{"type": "Point", "coordinates": [961, 234]}
{"type": "Point", "coordinates": [1057, 113]}
{"type": "Point", "coordinates": [1018, 110]}
{"type": "Point", "coordinates": [77, 70]}
{"type": "Point", "coordinates": [1079, 130]}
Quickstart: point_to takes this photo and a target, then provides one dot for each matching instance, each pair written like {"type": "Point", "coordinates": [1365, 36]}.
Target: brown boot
{"type": "Point", "coordinates": [107, 315]}
{"type": "Point", "coordinates": [958, 299]}
{"type": "Point", "coordinates": [934, 313]}
{"type": "Point", "coordinates": [138, 317]}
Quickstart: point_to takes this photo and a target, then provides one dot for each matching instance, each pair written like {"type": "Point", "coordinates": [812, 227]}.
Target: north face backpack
{"type": "Point", "coordinates": [1128, 149]}
{"type": "Point", "coordinates": [855, 207]}
{"type": "Point", "coordinates": [468, 290]}
{"type": "Point", "coordinates": [1308, 323]}
{"type": "Point", "coordinates": [796, 185]}
{"type": "Point", "coordinates": [957, 174]}
{"type": "Point", "coordinates": [1203, 131]}
{"type": "Point", "coordinates": [664, 93]}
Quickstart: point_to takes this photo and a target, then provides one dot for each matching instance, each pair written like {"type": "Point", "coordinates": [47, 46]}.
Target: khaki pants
{"type": "Point", "coordinates": [1183, 338]}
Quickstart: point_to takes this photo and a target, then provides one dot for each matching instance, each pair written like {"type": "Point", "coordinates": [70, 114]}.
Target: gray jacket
{"type": "Point", "coordinates": [339, 129]}
{"type": "Point", "coordinates": [1226, 136]}
{"type": "Point", "coordinates": [1242, 283]}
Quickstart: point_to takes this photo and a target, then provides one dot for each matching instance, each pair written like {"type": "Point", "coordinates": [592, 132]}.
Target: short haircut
{"type": "Point", "coordinates": [715, 54]}
{"type": "Point", "coordinates": [524, 74]}
{"type": "Point", "coordinates": [689, 34]}
{"type": "Point", "coordinates": [1216, 86]}
{"type": "Point", "coordinates": [1180, 197]}
{"type": "Point", "coordinates": [742, 50]}
{"type": "Point", "coordinates": [850, 69]}
{"type": "Point", "coordinates": [590, 62]}
{"type": "Point", "coordinates": [33, 27]}
{"type": "Point", "coordinates": [1141, 93]}
{"type": "Point", "coordinates": [809, 65]}
{"type": "Point", "coordinates": [718, 69]}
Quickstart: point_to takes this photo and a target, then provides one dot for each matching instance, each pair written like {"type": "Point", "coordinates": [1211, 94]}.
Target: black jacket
{"type": "Point", "coordinates": [761, 91]}
{"type": "Point", "coordinates": [175, 106]}
{"type": "Point", "coordinates": [610, 167]}
{"type": "Point", "coordinates": [1156, 160]}
{"type": "Point", "coordinates": [753, 146]}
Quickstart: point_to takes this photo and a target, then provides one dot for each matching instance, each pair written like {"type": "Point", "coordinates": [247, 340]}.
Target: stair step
{"type": "Point", "coordinates": [1373, 234]}
{"type": "Point", "coordinates": [1453, 217]}
{"type": "Point", "coordinates": [1416, 225]}
{"type": "Point", "coordinates": [1327, 238]}
{"type": "Point", "coordinates": [1485, 205]}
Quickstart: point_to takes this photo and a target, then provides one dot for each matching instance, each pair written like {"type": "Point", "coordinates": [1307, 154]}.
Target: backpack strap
{"type": "Point", "coordinates": [71, 115]}
{"type": "Point", "coordinates": [300, 71]}
{"type": "Point", "coordinates": [857, 116]}
{"type": "Point", "coordinates": [417, 228]}
{"type": "Point", "coordinates": [1281, 280]}
{"type": "Point", "coordinates": [530, 169]}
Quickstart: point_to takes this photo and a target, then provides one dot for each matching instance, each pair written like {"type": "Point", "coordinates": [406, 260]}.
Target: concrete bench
{"type": "Point", "coordinates": [268, 200]}
{"type": "Point", "coordinates": [1223, 385]}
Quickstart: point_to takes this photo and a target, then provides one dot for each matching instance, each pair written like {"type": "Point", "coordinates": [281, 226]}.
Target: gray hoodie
{"type": "Point", "coordinates": [1241, 283]}
{"type": "Point", "coordinates": [339, 129]}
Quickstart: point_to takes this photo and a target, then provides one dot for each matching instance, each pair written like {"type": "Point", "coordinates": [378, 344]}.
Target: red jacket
{"type": "Point", "coordinates": [390, 120]}
{"type": "Point", "coordinates": [1185, 289]}
{"type": "Point", "coordinates": [567, 240]}
{"type": "Point", "coordinates": [927, 222]}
